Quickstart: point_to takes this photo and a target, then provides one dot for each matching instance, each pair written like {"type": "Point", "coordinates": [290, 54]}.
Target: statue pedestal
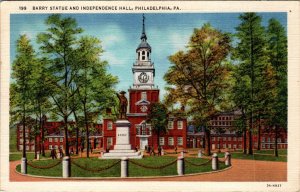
{"type": "Point", "coordinates": [123, 146]}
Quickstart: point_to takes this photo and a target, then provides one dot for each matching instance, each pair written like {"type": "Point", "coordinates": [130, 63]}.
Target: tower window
{"type": "Point", "coordinates": [144, 95]}
{"type": "Point", "coordinates": [143, 57]}
{"type": "Point", "coordinates": [143, 52]}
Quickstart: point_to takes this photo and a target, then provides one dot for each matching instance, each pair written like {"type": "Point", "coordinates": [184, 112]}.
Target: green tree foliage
{"type": "Point", "coordinates": [94, 84]}
{"type": "Point", "coordinates": [58, 44]}
{"type": "Point", "coordinates": [277, 42]}
{"type": "Point", "coordinates": [251, 53]}
{"type": "Point", "coordinates": [22, 81]}
{"type": "Point", "coordinates": [198, 77]}
{"type": "Point", "coordinates": [158, 118]}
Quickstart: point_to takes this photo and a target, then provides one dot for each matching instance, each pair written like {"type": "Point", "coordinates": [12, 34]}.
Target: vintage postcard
{"type": "Point", "coordinates": [150, 96]}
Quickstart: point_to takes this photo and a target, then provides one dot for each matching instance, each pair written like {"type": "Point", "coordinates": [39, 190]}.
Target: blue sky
{"type": "Point", "coordinates": [120, 36]}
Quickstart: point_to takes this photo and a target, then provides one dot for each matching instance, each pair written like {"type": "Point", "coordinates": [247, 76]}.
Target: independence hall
{"type": "Point", "coordinates": [180, 133]}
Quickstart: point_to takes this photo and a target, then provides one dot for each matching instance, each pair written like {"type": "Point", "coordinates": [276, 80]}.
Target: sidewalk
{"type": "Point", "coordinates": [242, 170]}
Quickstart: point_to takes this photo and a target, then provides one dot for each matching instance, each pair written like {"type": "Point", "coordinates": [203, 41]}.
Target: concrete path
{"type": "Point", "coordinates": [242, 170]}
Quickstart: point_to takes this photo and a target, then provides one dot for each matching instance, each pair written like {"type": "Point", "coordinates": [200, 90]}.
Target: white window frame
{"type": "Point", "coordinates": [50, 146]}
{"type": "Point", "coordinates": [263, 139]}
{"type": "Point", "coordinates": [50, 139]}
{"type": "Point", "coordinates": [229, 146]}
{"type": "Point", "coordinates": [170, 124]}
{"type": "Point", "coordinates": [109, 141]}
{"type": "Point", "coordinates": [61, 139]}
{"type": "Point", "coordinates": [224, 138]}
{"type": "Point", "coordinates": [224, 146]}
{"type": "Point", "coordinates": [179, 124]}
{"type": "Point", "coordinates": [179, 141]}
{"type": "Point", "coordinates": [55, 139]}
{"type": "Point", "coordinates": [170, 141]}
{"type": "Point", "coordinates": [161, 141]}
{"type": "Point", "coordinates": [229, 138]}
{"type": "Point", "coordinates": [109, 125]}
{"type": "Point", "coordinates": [144, 95]}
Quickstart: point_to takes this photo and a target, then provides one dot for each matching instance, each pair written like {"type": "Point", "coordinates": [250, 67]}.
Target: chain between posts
{"type": "Point", "coordinates": [95, 170]}
{"type": "Point", "coordinates": [43, 167]}
{"type": "Point", "coordinates": [153, 167]}
{"type": "Point", "coordinates": [195, 164]}
{"type": "Point", "coordinates": [223, 160]}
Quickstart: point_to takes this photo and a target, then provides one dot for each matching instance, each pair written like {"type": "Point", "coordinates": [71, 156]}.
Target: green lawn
{"type": "Point", "coordinates": [30, 156]}
{"type": "Point", "coordinates": [262, 157]}
{"type": "Point", "coordinates": [134, 170]}
{"type": "Point", "coordinates": [271, 152]}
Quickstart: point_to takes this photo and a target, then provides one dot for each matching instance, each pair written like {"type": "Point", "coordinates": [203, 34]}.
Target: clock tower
{"type": "Point", "coordinates": [143, 91]}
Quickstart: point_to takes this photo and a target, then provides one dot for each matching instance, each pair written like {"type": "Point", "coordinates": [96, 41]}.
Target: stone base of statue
{"type": "Point", "coordinates": [123, 146]}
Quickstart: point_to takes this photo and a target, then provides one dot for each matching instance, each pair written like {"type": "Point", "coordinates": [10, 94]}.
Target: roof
{"type": "Point", "coordinates": [144, 44]}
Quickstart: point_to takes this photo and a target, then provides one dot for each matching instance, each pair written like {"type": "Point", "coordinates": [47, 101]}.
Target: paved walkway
{"type": "Point", "coordinates": [242, 170]}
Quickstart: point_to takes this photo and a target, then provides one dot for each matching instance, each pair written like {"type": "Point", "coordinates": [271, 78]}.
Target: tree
{"type": "Point", "coordinates": [277, 45]}
{"type": "Point", "coordinates": [21, 86]}
{"type": "Point", "coordinates": [58, 44]}
{"type": "Point", "coordinates": [199, 76]}
{"type": "Point", "coordinates": [252, 57]}
{"type": "Point", "coordinates": [158, 119]}
{"type": "Point", "coordinates": [94, 85]}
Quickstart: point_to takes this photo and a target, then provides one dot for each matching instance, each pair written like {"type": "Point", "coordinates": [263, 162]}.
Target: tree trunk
{"type": "Point", "coordinates": [250, 151]}
{"type": "Point", "coordinates": [87, 132]}
{"type": "Point", "coordinates": [43, 136]}
{"type": "Point", "coordinates": [245, 141]}
{"type": "Point", "coordinates": [158, 133]}
{"type": "Point", "coordinates": [77, 132]}
{"type": "Point", "coordinates": [258, 134]}
{"type": "Point", "coordinates": [35, 147]}
{"type": "Point", "coordinates": [276, 136]}
{"type": "Point", "coordinates": [24, 139]}
{"type": "Point", "coordinates": [66, 135]}
{"type": "Point", "coordinates": [207, 142]}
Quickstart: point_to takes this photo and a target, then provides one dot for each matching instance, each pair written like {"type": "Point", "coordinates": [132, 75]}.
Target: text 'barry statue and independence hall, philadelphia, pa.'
{"type": "Point", "coordinates": [153, 96]}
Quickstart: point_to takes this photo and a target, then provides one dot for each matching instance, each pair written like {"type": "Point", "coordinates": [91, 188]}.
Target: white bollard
{"type": "Point", "coordinates": [124, 167]}
{"type": "Point", "coordinates": [66, 168]}
{"type": "Point", "coordinates": [182, 154]}
{"type": "Point", "coordinates": [38, 156]}
{"type": "Point", "coordinates": [227, 159]}
{"type": "Point", "coordinates": [24, 165]}
{"type": "Point", "coordinates": [162, 152]}
{"type": "Point", "coordinates": [215, 162]}
{"type": "Point", "coordinates": [180, 165]}
{"type": "Point", "coordinates": [199, 153]}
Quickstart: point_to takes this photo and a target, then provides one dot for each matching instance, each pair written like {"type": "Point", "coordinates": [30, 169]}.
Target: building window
{"type": "Point", "coordinates": [170, 141]}
{"type": "Point", "coordinates": [55, 139]}
{"type": "Point", "coordinates": [21, 140]}
{"type": "Point", "coordinates": [240, 139]}
{"type": "Point", "coordinates": [224, 138]}
{"type": "Point", "coordinates": [50, 146]}
{"type": "Point", "coordinates": [179, 141]}
{"type": "Point", "coordinates": [27, 147]}
{"type": "Point", "coordinates": [161, 141]}
{"type": "Point", "coordinates": [109, 125]}
{"type": "Point", "coordinates": [269, 139]}
{"type": "Point", "coordinates": [263, 139]}
{"type": "Point", "coordinates": [263, 146]}
{"type": "Point", "coordinates": [234, 146]}
{"type": "Point", "coordinates": [240, 146]}
{"type": "Point", "coordinates": [109, 141]}
{"type": "Point", "coordinates": [50, 139]}
{"type": "Point", "coordinates": [213, 138]}
{"type": "Point", "coordinates": [20, 147]}
{"type": "Point", "coordinates": [26, 134]}
{"type": "Point", "coordinates": [61, 139]}
{"type": "Point", "coordinates": [144, 95]}
{"type": "Point", "coordinates": [170, 124]}
{"type": "Point", "coordinates": [229, 138]}
{"type": "Point", "coordinates": [224, 146]}
{"type": "Point", "coordinates": [32, 148]}
{"type": "Point", "coordinates": [229, 146]}
{"type": "Point", "coordinates": [179, 124]}
{"type": "Point", "coordinates": [234, 138]}
{"type": "Point", "coordinates": [279, 140]}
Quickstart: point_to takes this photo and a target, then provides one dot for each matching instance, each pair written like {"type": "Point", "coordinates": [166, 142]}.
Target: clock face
{"type": "Point", "coordinates": [144, 108]}
{"type": "Point", "coordinates": [143, 77]}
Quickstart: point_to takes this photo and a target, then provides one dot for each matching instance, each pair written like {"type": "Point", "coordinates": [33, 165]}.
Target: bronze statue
{"type": "Point", "coordinates": [123, 105]}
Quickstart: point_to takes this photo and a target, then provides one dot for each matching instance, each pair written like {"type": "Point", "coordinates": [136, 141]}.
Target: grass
{"type": "Point", "coordinates": [134, 170]}
{"type": "Point", "coordinates": [261, 157]}
{"type": "Point", "coordinates": [271, 152]}
{"type": "Point", "coordinates": [30, 156]}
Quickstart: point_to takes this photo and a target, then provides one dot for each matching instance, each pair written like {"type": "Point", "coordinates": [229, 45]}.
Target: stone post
{"type": "Point", "coordinates": [215, 162]}
{"type": "Point", "coordinates": [199, 153]}
{"type": "Point", "coordinates": [24, 165]}
{"type": "Point", "coordinates": [124, 167]}
{"type": "Point", "coordinates": [162, 152]}
{"type": "Point", "coordinates": [38, 156]}
{"type": "Point", "coordinates": [180, 165]}
{"type": "Point", "coordinates": [66, 167]}
{"type": "Point", "coordinates": [182, 153]}
{"type": "Point", "coordinates": [227, 159]}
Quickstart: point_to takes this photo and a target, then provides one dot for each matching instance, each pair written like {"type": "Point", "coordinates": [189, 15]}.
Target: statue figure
{"type": "Point", "coordinates": [123, 105]}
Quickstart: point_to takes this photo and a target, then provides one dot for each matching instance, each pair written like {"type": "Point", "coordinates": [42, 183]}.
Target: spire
{"type": "Point", "coordinates": [143, 36]}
